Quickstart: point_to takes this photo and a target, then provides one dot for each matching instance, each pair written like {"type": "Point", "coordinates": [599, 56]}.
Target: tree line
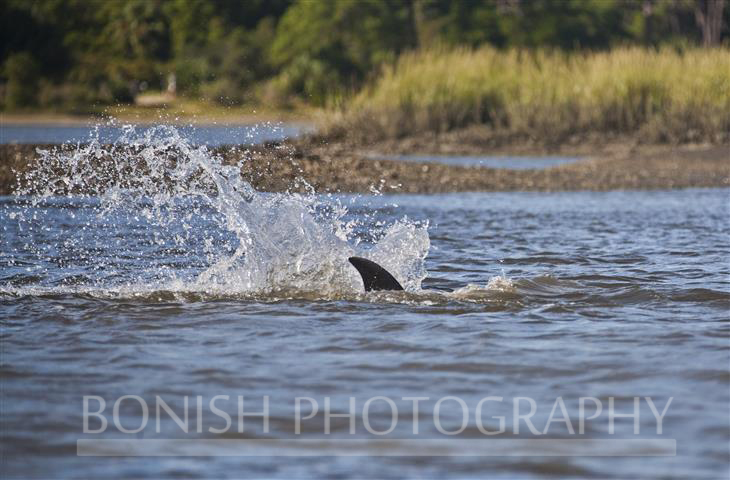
{"type": "Point", "coordinates": [64, 54]}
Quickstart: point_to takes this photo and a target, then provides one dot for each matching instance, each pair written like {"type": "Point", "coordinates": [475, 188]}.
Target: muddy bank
{"type": "Point", "coordinates": [338, 167]}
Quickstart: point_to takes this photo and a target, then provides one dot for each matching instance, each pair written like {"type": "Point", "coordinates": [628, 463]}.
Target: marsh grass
{"type": "Point", "coordinates": [661, 96]}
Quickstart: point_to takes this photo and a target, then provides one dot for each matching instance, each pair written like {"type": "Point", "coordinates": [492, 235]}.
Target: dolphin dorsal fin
{"type": "Point", "coordinates": [374, 277]}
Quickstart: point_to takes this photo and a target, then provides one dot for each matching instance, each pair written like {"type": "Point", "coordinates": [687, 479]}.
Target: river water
{"type": "Point", "coordinates": [204, 288]}
{"type": "Point", "coordinates": [212, 135]}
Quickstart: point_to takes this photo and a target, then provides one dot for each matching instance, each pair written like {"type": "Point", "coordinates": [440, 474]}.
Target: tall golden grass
{"type": "Point", "coordinates": [658, 95]}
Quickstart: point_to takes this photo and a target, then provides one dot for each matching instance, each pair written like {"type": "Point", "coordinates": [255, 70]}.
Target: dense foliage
{"type": "Point", "coordinates": [68, 53]}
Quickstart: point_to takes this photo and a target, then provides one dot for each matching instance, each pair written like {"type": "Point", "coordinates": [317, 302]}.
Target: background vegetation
{"type": "Point", "coordinates": [658, 95]}
{"type": "Point", "coordinates": [403, 65]}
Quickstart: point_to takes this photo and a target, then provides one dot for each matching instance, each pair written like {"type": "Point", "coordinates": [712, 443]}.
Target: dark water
{"type": "Point", "coordinates": [618, 294]}
{"type": "Point", "coordinates": [212, 135]}
{"type": "Point", "coordinates": [511, 162]}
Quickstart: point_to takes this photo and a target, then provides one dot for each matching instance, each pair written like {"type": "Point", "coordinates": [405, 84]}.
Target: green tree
{"type": "Point", "coordinates": [136, 34]}
{"type": "Point", "coordinates": [567, 24]}
{"type": "Point", "coordinates": [22, 72]}
{"type": "Point", "coordinates": [347, 38]}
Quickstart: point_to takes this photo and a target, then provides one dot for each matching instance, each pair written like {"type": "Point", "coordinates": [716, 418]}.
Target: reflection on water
{"type": "Point", "coordinates": [135, 291]}
{"type": "Point", "coordinates": [511, 162]}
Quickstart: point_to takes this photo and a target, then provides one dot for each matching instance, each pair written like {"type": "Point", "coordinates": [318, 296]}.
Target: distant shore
{"type": "Point", "coordinates": [184, 114]}
{"type": "Point", "coordinates": [341, 167]}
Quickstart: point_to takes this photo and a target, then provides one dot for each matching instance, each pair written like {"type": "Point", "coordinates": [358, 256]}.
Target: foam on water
{"type": "Point", "coordinates": [184, 202]}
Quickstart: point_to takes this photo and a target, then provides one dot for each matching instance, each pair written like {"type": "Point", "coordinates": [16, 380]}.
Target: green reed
{"type": "Point", "coordinates": [657, 95]}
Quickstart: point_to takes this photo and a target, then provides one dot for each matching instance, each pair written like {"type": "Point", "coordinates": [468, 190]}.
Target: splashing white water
{"type": "Point", "coordinates": [183, 200]}
{"type": "Point", "coordinates": [500, 284]}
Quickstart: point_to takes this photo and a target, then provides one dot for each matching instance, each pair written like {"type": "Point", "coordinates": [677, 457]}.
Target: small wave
{"type": "Point", "coordinates": [499, 286]}
{"type": "Point", "coordinates": [701, 295]}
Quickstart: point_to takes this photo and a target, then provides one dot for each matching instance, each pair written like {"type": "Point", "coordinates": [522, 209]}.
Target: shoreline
{"type": "Point", "coordinates": [605, 165]}
{"type": "Point", "coordinates": [154, 116]}
{"type": "Point", "coordinates": [338, 167]}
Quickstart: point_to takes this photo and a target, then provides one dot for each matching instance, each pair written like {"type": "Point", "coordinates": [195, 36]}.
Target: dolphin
{"type": "Point", "coordinates": [374, 277]}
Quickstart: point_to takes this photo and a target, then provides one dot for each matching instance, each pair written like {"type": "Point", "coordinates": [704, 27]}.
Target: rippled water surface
{"type": "Point", "coordinates": [206, 288]}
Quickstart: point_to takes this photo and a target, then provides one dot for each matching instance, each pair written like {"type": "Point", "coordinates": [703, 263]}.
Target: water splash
{"type": "Point", "coordinates": [497, 287]}
{"type": "Point", "coordinates": [154, 212]}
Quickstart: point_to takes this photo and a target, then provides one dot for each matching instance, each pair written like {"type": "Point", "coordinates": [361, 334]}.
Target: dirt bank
{"type": "Point", "coordinates": [334, 167]}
